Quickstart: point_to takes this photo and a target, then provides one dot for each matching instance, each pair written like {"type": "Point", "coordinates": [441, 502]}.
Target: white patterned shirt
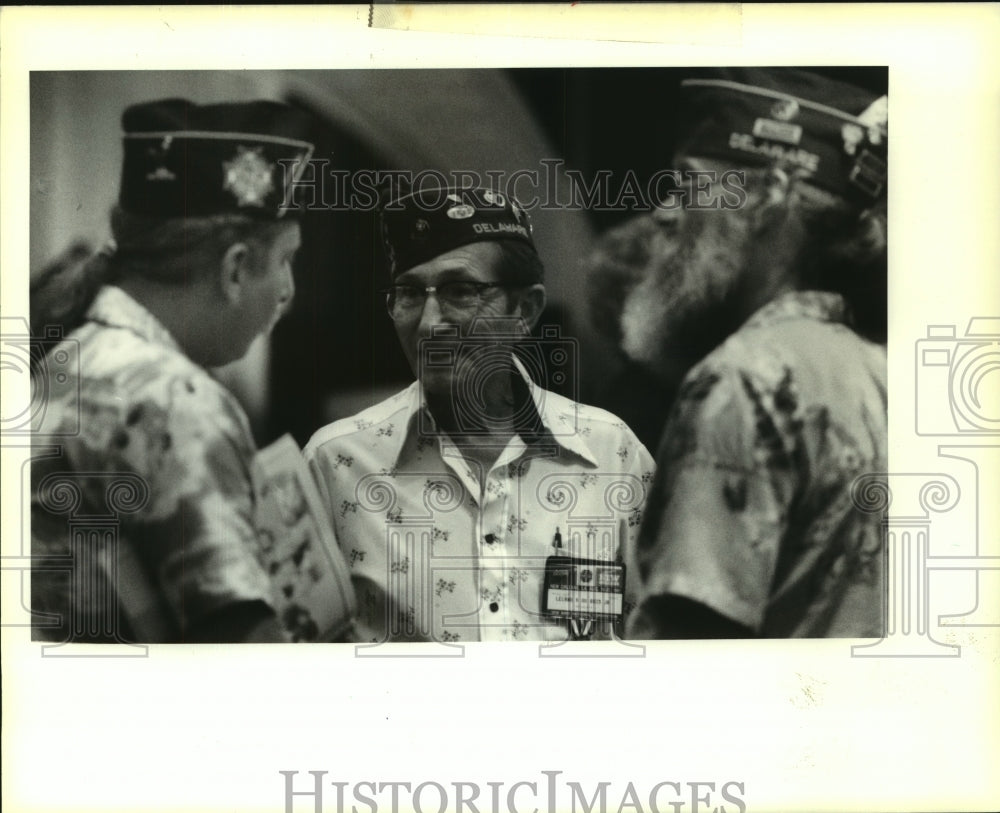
{"type": "Point", "coordinates": [436, 556]}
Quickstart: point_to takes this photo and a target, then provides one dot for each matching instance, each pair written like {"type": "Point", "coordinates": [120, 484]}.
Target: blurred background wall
{"type": "Point", "coordinates": [336, 352]}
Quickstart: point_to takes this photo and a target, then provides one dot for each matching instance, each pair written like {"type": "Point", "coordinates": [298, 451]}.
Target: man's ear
{"type": "Point", "coordinates": [772, 205]}
{"type": "Point", "coordinates": [531, 303]}
{"type": "Point", "coordinates": [233, 271]}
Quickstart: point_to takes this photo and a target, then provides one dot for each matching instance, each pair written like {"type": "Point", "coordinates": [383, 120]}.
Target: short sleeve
{"type": "Point", "coordinates": [716, 510]}
{"type": "Point", "coordinates": [196, 535]}
{"type": "Point", "coordinates": [641, 467]}
{"type": "Point", "coordinates": [322, 473]}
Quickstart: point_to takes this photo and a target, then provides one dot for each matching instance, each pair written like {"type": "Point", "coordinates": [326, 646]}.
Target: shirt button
{"type": "Point", "coordinates": [494, 606]}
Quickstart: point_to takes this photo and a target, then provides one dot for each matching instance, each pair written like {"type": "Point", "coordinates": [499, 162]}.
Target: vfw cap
{"type": "Point", "coordinates": [188, 160]}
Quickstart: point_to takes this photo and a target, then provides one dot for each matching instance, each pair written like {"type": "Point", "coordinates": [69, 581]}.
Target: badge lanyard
{"type": "Point", "coordinates": [582, 590]}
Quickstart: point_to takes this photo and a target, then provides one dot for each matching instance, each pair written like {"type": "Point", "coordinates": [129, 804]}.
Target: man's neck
{"type": "Point", "coordinates": [481, 437]}
{"type": "Point", "coordinates": [181, 310]}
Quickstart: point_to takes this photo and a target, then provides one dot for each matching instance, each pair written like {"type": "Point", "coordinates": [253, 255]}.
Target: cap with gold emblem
{"type": "Point", "coordinates": [188, 160]}
{"type": "Point", "coordinates": [833, 131]}
{"type": "Point", "coordinates": [420, 224]}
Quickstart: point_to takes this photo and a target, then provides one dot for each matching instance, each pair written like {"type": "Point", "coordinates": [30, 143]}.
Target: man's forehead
{"type": "Point", "coordinates": [474, 261]}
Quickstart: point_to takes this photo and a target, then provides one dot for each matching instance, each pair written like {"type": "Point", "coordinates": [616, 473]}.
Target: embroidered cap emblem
{"type": "Point", "coordinates": [493, 197]}
{"type": "Point", "coordinates": [420, 229]}
{"type": "Point", "coordinates": [785, 109]}
{"type": "Point", "coordinates": [461, 212]}
{"type": "Point", "coordinates": [853, 135]}
{"type": "Point", "coordinates": [157, 156]}
{"type": "Point", "coordinates": [248, 177]}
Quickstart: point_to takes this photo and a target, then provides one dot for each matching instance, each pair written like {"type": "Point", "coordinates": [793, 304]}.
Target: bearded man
{"type": "Point", "coordinates": [772, 251]}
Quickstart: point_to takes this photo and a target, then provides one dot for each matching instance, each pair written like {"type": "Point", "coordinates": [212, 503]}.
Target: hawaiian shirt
{"type": "Point", "coordinates": [141, 489]}
{"type": "Point", "coordinates": [439, 553]}
{"type": "Point", "coordinates": [751, 511]}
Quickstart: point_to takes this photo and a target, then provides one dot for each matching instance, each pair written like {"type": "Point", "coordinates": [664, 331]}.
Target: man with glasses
{"type": "Point", "coordinates": [475, 505]}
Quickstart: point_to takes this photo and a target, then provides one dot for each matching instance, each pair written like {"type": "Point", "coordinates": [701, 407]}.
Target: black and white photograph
{"type": "Point", "coordinates": [549, 405]}
{"type": "Point", "coordinates": [702, 280]}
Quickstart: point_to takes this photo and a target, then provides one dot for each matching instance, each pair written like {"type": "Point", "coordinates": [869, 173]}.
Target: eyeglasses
{"type": "Point", "coordinates": [458, 295]}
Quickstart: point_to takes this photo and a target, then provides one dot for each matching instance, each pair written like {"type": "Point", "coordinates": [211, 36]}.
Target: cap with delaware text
{"type": "Point", "coordinates": [835, 132]}
{"type": "Point", "coordinates": [423, 224]}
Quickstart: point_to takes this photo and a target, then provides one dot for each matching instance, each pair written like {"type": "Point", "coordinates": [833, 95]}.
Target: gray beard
{"type": "Point", "coordinates": [679, 310]}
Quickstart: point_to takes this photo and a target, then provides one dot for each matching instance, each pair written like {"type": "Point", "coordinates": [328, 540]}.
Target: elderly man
{"type": "Point", "coordinates": [773, 248]}
{"type": "Point", "coordinates": [201, 265]}
{"type": "Point", "coordinates": [475, 505]}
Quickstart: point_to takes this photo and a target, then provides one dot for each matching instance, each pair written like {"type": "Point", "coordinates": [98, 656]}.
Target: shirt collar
{"type": "Point", "coordinates": [559, 416]}
{"type": "Point", "coordinates": [822, 306]}
{"type": "Point", "coordinates": [115, 308]}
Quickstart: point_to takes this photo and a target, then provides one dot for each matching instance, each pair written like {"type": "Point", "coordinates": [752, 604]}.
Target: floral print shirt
{"type": "Point", "coordinates": [751, 511]}
{"type": "Point", "coordinates": [439, 552]}
{"type": "Point", "coordinates": [137, 447]}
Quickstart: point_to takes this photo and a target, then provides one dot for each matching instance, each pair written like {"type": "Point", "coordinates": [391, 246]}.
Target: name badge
{"type": "Point", "coordinates": [583, 588]}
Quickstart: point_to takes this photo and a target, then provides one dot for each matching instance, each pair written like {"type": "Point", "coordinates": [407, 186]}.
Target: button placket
{"type": "Point", "coordinates": [493, 553]}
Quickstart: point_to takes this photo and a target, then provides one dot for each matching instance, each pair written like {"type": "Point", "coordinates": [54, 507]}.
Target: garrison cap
{"type": "Point", "coordinates": [189, 160]}
{"type": "Point", "coordinates": [421, 224]}
{"type": "Point", "coordinates": [833, 130]}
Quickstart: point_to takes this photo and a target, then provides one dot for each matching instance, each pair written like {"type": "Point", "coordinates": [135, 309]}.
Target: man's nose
{"type": "Point", "coordinates": [431, 314]}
